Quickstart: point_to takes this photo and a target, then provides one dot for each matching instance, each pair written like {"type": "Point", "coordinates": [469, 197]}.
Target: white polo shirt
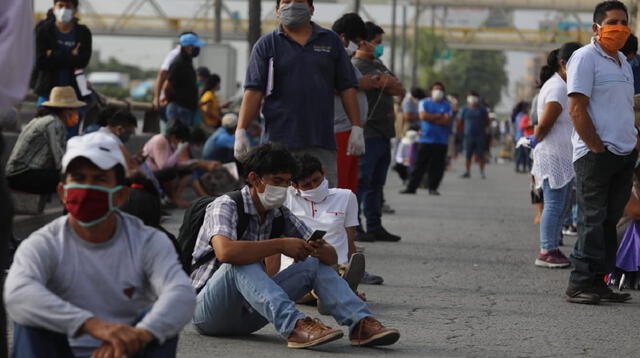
{"type": "Point", "coordinates": [609, 86]}
{"type": "Point", "coordinates": [336, 213]}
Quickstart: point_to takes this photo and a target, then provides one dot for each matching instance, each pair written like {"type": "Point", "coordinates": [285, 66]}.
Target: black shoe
{"type": "Point", "coordinates": [354, 272]}
{"type": "Point", "coordinates": [607, 295]}
{"type": "Point", "coordinates": [582, 296]}
{"type": "Point", "coordinates": [407, 191]}
{"type": "Point", "coordinates": [386, 209]}
{"type": "Point", "coordinates": [365, 237]}
{"type": "Point", "coordinates": [371, 279]}
{"type": "Point", "coordinates": [434, 192]}
{"type": "Point", "coordinates": [383, 235]}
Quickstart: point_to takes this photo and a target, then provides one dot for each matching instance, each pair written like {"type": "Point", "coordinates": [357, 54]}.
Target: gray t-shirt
{"type": "Point", "coordinates": [341, 122]}
{"type": "Point", "coordinates": [381, 117]}
{"type": "Point", "coordinates": [58, 281]}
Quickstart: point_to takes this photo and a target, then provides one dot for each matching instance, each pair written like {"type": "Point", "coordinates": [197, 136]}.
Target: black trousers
{"type": "Point", "coordinates": [603, 186]}
{"type": "Point", "coordinates": [431, 159]}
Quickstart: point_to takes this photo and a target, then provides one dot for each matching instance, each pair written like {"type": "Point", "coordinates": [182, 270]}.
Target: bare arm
{"type": "Point", "coordinates": [160, 80]}
{"type": "Point", "coordinates": [324, 252]}
{"type": "Point", "coordinates": [351, 237]}
{"type": "Point", "coordinates": [632, 209]}
{"type": "Point", "coordinates": [350, 103]}
{"type": "Point", "coordinates": [583, 124]}
{"type": "Point", "coordinates": [248, 252]}
{"type": "Point", "coordinates": [549, 117]}
{"type": "Point", "coordinates": [249, 108]}
{"type": "Point", "coordinates": [392, 86]}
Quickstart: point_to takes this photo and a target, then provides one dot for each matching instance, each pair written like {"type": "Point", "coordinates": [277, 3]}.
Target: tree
{"type": "Point", "coordinates": [462, 70]}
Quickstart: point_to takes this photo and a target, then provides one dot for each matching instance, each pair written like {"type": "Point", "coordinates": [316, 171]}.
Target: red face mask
{"type": "Point", "coordinates": [89, 204]}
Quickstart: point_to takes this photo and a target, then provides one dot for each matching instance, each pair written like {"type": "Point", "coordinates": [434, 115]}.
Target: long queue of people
{"type": "Point", "coordinates": [584, 154]}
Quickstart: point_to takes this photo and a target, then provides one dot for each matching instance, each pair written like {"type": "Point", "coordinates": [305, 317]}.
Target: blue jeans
{"type": "Point", "coordinates": [556, 205]}
{"type": "Point", "coordinates": [241, 299]}
{"type": "Point", "coordinates": [30, 342]}
{"type": "Point", "coordinates": [176, 112]}
{"type": "Point", "coordinates": [372, 175]}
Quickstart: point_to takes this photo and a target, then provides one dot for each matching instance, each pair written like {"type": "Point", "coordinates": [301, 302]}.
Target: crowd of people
{"type": "Point", "coordinates": [281, 185]}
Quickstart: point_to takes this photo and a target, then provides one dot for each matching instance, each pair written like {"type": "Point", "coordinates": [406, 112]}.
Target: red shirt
{"type": "Point", "coordinates": [525, 125]}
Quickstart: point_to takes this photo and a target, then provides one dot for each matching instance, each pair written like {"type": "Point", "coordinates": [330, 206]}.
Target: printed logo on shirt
{"type": "Point", "coordinates": [336, 213]}
{"type": "Point", "coordinates": [325, 49]}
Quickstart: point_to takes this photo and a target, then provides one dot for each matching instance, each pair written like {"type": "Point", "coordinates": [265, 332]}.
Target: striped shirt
{"type": "Point", "coordinates": [221, 218]}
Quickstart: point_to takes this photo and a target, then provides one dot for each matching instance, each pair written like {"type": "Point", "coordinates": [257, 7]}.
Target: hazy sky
{"type": "Point", "coordinates": [149, 52]}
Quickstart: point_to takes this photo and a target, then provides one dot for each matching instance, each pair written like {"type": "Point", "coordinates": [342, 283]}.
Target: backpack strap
{"type": "Point", "coordinates": [243, 218]}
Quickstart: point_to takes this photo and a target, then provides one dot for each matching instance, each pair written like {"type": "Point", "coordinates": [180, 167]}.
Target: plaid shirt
{"type": "Point", "coordinates": [221, 218]}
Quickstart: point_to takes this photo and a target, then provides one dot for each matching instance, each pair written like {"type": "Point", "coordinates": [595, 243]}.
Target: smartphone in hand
{"type": "Point", "coordinates": [317, 235]}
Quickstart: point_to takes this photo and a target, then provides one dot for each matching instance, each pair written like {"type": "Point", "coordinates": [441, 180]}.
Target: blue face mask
{"type": "Point", "coordinates": [379, 50]}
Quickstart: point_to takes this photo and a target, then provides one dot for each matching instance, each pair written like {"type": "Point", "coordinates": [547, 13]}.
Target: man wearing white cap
{"type": "Point", "coordinates": [96, 282]}
{"type": "Point", "coordinates": [181, 88]}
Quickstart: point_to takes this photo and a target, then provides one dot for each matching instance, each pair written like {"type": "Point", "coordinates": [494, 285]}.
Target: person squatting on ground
{"type": "Point", "coordinates": [63, 46]}
{"type": "Point", "coordinates": [96, 282]}
{"type": "Point", "coordinates": [236, 295]}
{"type": "Point", "coordinates": [552, 156]}
{"type": "Point", "coordinates": [378, 131]}
{"type": "Point", "coordinates": [603, 150]}
{"type": "Point", "coordinates": [436, 116]}
{"type": "Point", "coordinates": [35, 161]}
{"type": "Point", "coordinates": [332, 210]}
{"type": "Point", "coordinates": [297, 69]}
{"type": "Point", "coordinates": [476, 119]}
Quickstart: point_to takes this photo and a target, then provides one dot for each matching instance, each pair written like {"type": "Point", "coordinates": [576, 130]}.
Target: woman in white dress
{"type": "Point", "coordinates": [552, 157]}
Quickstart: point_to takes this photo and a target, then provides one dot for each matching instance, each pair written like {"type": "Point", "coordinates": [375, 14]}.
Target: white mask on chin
{"type": "Point", "coordinates": [351, 48]}
{"type": "Point", "coordinates": [273, 196]}
{"type": "Point", "coordinates": [318, 194]}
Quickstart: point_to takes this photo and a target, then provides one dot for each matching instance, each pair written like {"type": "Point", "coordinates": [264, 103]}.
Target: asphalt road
{"type": "Point", "coordinates": [461, 283]}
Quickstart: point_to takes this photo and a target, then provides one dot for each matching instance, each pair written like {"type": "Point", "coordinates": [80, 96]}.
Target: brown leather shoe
{"type": "Point", "coordinates": [370, 332]}
{"type": "Point", "coordinates": [310, 332]}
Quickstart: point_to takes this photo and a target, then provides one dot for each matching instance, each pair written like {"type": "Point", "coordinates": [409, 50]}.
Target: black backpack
{"type": "Point", "coordinates": [193, 219]}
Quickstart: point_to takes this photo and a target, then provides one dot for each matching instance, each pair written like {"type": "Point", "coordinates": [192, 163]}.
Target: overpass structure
{"type": "Point", "coordinates": [149, 18]}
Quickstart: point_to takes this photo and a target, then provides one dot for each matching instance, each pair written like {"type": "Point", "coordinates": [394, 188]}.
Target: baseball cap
{"type": "Point", "coordinates": [190, 40]}
{"type": "Point", "coordinates": [99, 148]}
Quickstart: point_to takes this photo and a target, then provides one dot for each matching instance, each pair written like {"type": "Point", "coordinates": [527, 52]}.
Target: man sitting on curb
{"type": "Point", "coordinates": [237, 296]}
{"type": "Point", "coordinates": [96, 282]}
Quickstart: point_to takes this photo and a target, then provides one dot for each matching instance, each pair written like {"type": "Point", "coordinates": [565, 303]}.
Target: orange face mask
{"type": "Point", "coordinates": [72, 119]}
{"type": "Point", "coordinates": [613, 37]}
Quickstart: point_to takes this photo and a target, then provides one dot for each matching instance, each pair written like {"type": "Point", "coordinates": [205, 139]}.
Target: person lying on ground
{"type": "Point", "coordinates": [236, 294]}
{"type": "Point", "coordinates": [96, 282]}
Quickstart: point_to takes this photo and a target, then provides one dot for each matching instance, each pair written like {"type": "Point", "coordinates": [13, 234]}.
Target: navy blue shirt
{"type": "Point", "coordinates": [635, 67]}
{"type": "Point", "coordinates": [435, 133]}
{"type": "Point", "coordinates": [66, 42]}
{"type": "Point", "coordinates": [475, 121]}
{"type": "Point", "coordinates": [299, 110]}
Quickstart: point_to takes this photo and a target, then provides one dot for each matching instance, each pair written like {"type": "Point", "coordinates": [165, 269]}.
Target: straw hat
{"type": "Point", "coordinates": [63, 97]}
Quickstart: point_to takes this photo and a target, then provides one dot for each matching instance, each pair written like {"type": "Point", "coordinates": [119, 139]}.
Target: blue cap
{"type": "Point", "coordinates": [190, 40]}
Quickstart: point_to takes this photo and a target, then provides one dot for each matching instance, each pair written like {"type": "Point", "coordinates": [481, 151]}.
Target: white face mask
{"type": "Point", "coordinates": [273, 196]}
{"type": "Point", "coordinates": [437, 95]}
{"type": "Point", "coordinates": [472, 99]}
{"type": "Point", "coordinates": [318, 194]}
{"type": "Point", "coordinates": [351, 48]}
{"type": "Point", "coordinates": [63, 15]}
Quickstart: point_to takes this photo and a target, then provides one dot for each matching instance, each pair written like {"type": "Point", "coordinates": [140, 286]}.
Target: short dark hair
{"type": "Point", "coordinates": [631, 46]}
{"type": "Point", "coordinates": [600, 13]}
{"type": "Point", "coordinates": [307, 166]}
{"type": "Point", "coordinates": [212, 81]}
{"type": "Point", "coordinates": [474, 93]}
{"type": "Point", "coordinates": [373, 30]}
{"type": "Point", "coordinates": [178, 130]}
{"type": "Point", "coordinates": [310, 2]}
{"type": "Point", "coordinates": [197, 135]}
{"type": "Point", "coordinates": [72, 2]}
{"type": "Point", "coordinates": [121, 177]}
{"type": "Point", "coordinates": [351, 25]}
{"type": "Point", "coordinates": [438, 83]}
{"type": "Point", "coordinates": [203, 71]}
{"type": "Point", "coordinates": [270, 158]}
{"type": "Point", "coordinates": [417, 92]}
{"type": "Point", "coordinates": [45, 111]}
{"type": "Point", "coordinates": [113, 116]}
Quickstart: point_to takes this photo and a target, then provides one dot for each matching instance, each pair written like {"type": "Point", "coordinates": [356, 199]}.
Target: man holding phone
{"type": "Point", "coordinates": [236, 294]}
